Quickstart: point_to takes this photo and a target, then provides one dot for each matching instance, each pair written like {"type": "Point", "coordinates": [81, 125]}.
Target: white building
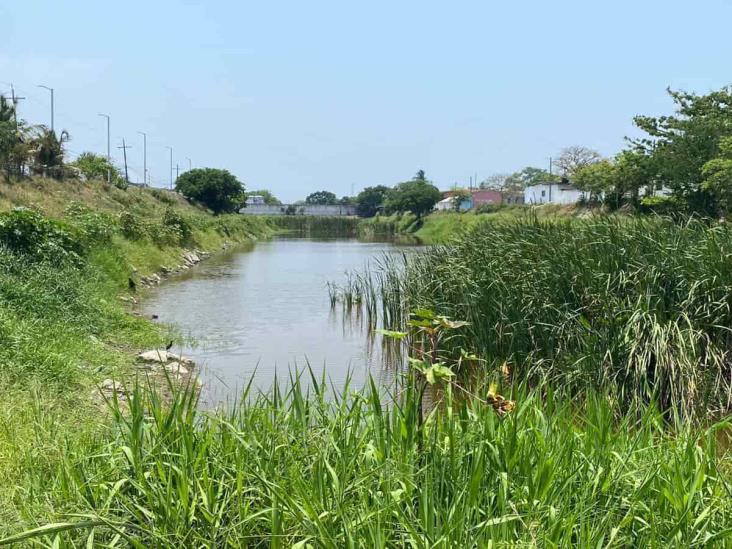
{"type": "Point", "coordinates": [255, 200]}
{"type": "Point", "coordinates": [552, 193]}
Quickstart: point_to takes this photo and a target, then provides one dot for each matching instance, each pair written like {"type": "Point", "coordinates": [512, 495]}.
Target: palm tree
{"type": "Point", "coordinates": [46, 150]}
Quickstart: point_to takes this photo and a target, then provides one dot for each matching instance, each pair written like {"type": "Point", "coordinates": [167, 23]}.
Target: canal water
{"type": "Point", "coordinates": [265, 311]}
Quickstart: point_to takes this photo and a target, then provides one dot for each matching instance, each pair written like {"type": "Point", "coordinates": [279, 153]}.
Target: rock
{"type": "Point", "coordinates": [181, 359]}
{"type": "Point", "coordinates": [176, 368]}
{"type": "Point", "coordinates": [156, 355]}
{"type": "Point", "coordinates": [161, 356]}
{"type": "Point", "coordinates": [154, 317]}
{"type": "Point", "coordinates": [110, 386]}
{"type": "Point", "coordinates": [191, 257]}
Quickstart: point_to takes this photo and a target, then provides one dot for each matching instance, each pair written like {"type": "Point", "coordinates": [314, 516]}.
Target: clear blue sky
{"type": "Point", "coordinates": [300, 96]}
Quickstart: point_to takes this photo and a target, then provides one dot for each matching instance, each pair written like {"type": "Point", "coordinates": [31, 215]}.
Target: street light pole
{"type": "Point", "coordinates": [51, 90]}
{"type": "Point", "coordinates": [109, 155]}
{"type": "Point", "coordinates": [144, 157]}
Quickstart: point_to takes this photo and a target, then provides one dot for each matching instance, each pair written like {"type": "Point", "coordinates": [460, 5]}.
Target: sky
{"type": "Point", "coordinates": [297, 96]}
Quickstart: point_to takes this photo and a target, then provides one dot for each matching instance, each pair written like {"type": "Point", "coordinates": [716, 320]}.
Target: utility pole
{"type": "Point", "coordinates": [144, 157]}
{"type": "Point", "coordinates": [171, 167]}
{"type": "Point", "coordinates": [124, 151]}
{"type": "Point", "coordinates": [109, 154]}
{"type": "Point", "coordinates": [51, 90]}
{"type": "Point", "coordinates": [14, 98]}
{"type": "Point", "coordinates": [190, 164]}
{"type": "Point", "coordinates": [551, 166]}
{"type": "Point", "coordinates": [177, 171]}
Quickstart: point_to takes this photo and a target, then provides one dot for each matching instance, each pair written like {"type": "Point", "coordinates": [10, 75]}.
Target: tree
{"type": "Point", "coordinates": [370, 200]}
{"type": "Point", "coordinates": [497, 181]}
{"type": "Point", "coordinates": [596, 178]}
{"type": "Point", "coordinates": [268, 197]}
{"type": "Point", "coordinates": [528, 176]}
{"type": "Point", "coordinates": [573, 158]}
{"type": "Point", "coordinates": [717, 174]}
{"type": "Point", "coordinates": [347, 201]}
{"type": "Point", "coordinates": [96, 166]}
{"type": "Point", "coordinates": [217, 189]}
{"type": "Point", "coordinates": [416, 196]}
{"type": "Point", "coordinates": [420, 176]}
{"type": "Point", "coordinates": [679, 146]}
{"type": "Point", "coordinates": [321, 197]}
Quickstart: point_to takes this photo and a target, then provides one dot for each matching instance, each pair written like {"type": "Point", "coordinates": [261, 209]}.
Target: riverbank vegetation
{"type": "Point", "coordinates": [304, 468]}
{"type": "Point", "coordinates": [635, 307]}
{"type": "Point", "coordinates": [442, 227]}
{"type": "Point", "coordinates": [68, 252]}
{"type": "Point", "coordinates": [316, 226]}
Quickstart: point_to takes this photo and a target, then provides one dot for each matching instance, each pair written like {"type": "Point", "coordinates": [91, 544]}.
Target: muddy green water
{"type": "Point", "coordinates": [265, 311]}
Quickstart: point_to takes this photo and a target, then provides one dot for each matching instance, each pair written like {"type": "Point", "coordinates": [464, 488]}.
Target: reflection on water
{"type": "Point", "coordinates": [266, 310]}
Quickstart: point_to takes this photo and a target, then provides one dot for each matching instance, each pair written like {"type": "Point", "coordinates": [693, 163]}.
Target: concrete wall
{"type": "Point", "coordinates": [556, 193]}
{"type": "Point", "coordinates": [301, 209]}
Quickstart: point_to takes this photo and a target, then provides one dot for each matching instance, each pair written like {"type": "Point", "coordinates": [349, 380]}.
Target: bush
{"type": "Point", "coordinates": [163, 196]}
{"type": "Point", "coordinates": [94, 166]}
{"type": "Point", "coordinates": [174, 221]}
{"type": "Point", "coordinates": [662, 205]}
{"type": "Point", "coordinates": [96, 228]}
{"type": "Point", "coordinates": [28, 232]}
{"type": "Point", "coordinates": [131, 226]}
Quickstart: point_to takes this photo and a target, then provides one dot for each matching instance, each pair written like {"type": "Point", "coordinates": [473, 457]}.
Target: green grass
{"type": "Point", "coordinates": [614, 335]}
{"type": "Point", "coordinates": [315, 226]}
{"type": "Point", "coordinates": [358, 470]}
{"type": "Point", "coordinates": [63, 327]}
{"type": "Point", "coordinates": [442, 227]}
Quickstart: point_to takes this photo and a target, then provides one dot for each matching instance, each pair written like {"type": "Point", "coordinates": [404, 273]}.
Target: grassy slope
{"type": "Point", "coordinates": [440, 227]}
{"type": "Point", "coordinates": [62, 326]}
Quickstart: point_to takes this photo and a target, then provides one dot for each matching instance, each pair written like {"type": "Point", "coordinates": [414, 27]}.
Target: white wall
{"type": "Point", "coordinates": [304, 209]}
{"type": "Point", "coordinates": [560, 194]}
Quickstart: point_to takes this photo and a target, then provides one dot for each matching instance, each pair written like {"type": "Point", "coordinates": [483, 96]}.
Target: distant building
{"type": "Point", "coordinates": [297, 209]}
{"type": "Point", "coordinates": [477, 198]}
{"type": "Point", "coordinates": [553, 193]}
{"type": "Point", "coordinates": [255, 200]}
{"type": "Point", "coordinates": [486, 196]}
{"type": "Point", "coordinates": [513, 197]}
{"type": "Point", "coordinates": [448, 204]}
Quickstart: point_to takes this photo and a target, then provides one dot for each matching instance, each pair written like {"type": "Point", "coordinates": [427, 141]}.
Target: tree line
{"type": "Point", "coordinates": [686, 155]}
{"type": "Point", "coordinates": [417, 195]}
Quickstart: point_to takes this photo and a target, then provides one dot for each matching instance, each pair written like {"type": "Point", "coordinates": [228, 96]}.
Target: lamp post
{"type": "Point", "coordinates": [51, 90]}
{"type": "Point", "coordinates": [109, 155]}
{"type": "Point", "coordinates": [144, 157]}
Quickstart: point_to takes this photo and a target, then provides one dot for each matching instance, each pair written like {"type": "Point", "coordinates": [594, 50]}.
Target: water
{"type": "Point", "coordinates": [266, 310]}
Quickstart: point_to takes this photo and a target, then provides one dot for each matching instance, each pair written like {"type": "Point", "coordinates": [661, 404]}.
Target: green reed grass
{"type": "Point", "coordinates": [308, 468]}
{"type": "Point", "coordinates": [641, 307]}
{"type": "Point", "coordinates": [316, 226]}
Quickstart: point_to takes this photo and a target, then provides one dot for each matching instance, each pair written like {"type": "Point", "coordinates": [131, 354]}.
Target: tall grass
{"type": "Point", "coordinates": [312, 469]}
{"type": "Point", "coordinates": [639, 307]}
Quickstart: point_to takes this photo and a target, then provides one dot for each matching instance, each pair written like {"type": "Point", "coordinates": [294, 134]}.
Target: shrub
{"type": "Point", "coordinates": [28, 232]}
{"type": "Point", "coordinates": [173, 220]}
{"type": "Point", "coordinates": [163, 196]}
{"type": "Point", "coordinates": [96, 228]}
{"type": "Point", "coordinates": [132, 226]}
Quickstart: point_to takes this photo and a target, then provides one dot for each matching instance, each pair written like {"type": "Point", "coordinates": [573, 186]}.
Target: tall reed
{"type": "Point", "coordinates": [638, 306]}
